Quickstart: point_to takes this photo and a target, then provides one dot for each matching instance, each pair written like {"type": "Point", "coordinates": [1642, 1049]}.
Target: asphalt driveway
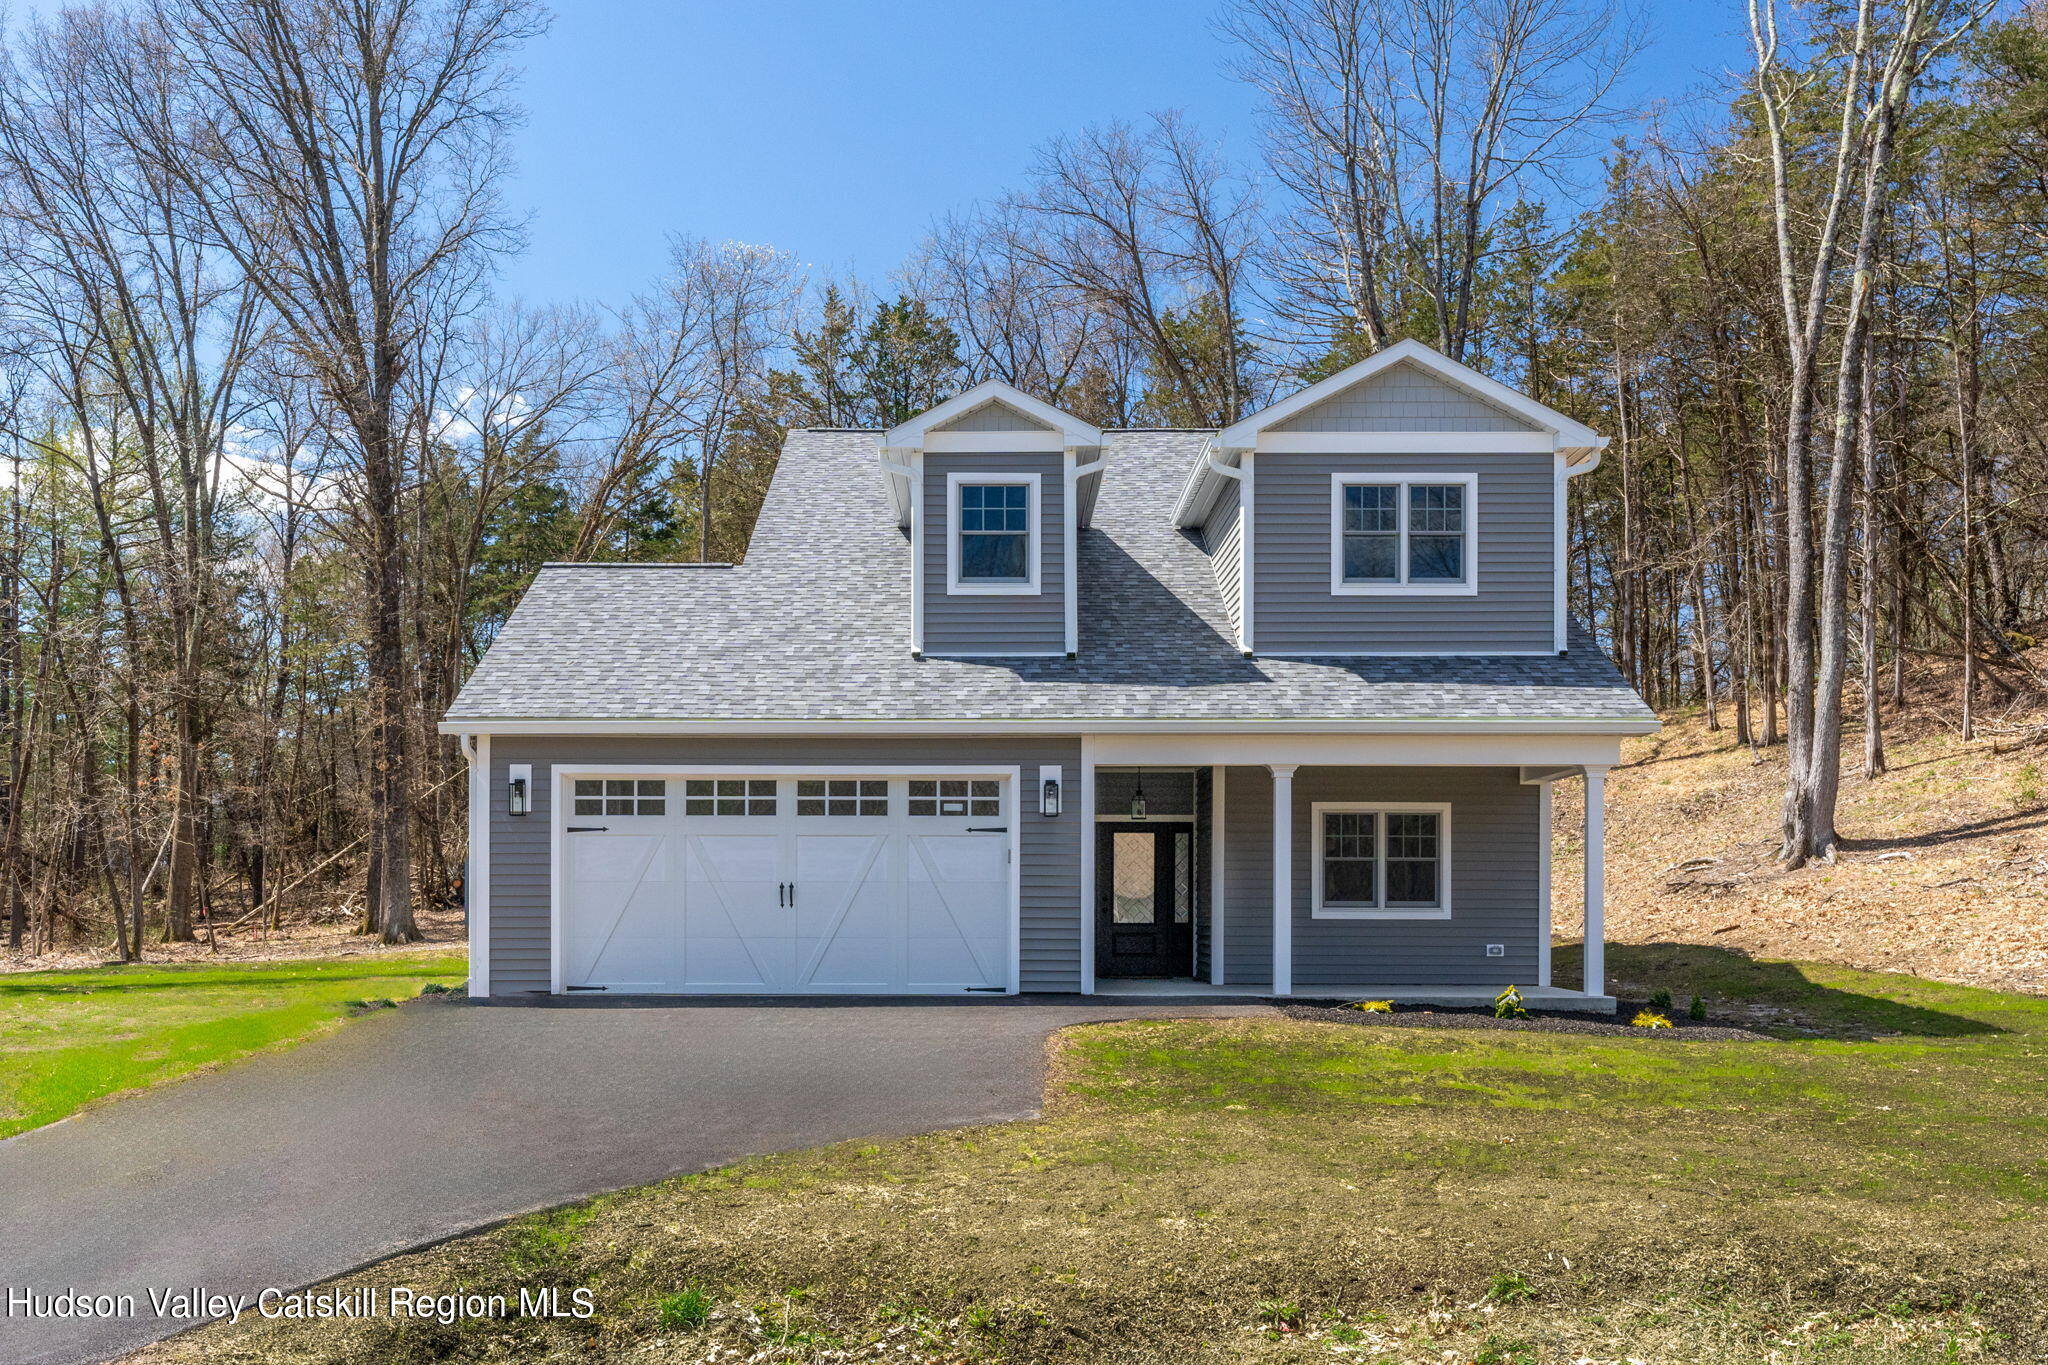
{"type": "Point", "coordinates": [440, 1117]}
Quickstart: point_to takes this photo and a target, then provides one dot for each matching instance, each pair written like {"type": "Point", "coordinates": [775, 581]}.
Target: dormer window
{"type": "Point", "coordinates": [1403, 533]}
{"type": "Point", "coordinates": [994, 544]}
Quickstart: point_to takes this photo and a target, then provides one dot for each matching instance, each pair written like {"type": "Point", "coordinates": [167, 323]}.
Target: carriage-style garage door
{"type": "Point", "coordinates": [878, 883]}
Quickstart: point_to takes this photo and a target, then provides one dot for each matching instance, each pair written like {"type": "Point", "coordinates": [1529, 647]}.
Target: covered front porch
{"type": "Point", "coordinates": [1408, 868]}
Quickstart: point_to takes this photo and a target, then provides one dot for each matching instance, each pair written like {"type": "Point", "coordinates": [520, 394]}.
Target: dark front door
{"type": "Point", "coordinates": [1145, 901]}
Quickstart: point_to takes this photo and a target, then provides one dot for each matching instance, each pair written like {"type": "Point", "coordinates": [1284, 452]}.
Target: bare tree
{"type": "Point", "coordinates": [1398, 126]}
{"type": "Point", "coordinates": [350, 152]}
{"type": "Point", "coordinates": [1148, 229]}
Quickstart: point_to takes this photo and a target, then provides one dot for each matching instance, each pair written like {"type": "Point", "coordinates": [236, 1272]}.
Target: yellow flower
{"type": "Point", "coordinates": [1650, 1019]}
{"type": "Point", "coordinates": [1374, 1006]}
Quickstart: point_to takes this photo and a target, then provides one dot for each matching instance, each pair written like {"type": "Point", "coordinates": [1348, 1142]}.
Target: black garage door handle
{"type": "Point", "coordinates": [585, 829]}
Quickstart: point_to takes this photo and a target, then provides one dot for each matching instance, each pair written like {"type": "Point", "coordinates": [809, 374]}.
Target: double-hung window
{"type": "Point", "coordinates": [1403, 533]}
{"type": "Point", "coordinates": [994, 543]}
{"type": "Point", "coordinates": [1382, 861]}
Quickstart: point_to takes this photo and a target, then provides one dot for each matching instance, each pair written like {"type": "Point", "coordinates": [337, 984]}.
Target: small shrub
{"type": "Point", "coordinates": [435, 988]}
{"type": "Point", "coordinates": [1660, 1000]}
{"type": "Point", "coordinates": [1500, 1350]}
{"type": "Point", "coordinates": [1650, 1019]}
{"type": "Point", "coordinates": [1374, 1006]}
{"type": "Point", "coordinates": [686, 1310]}
{"type": "Point", "coordinates": [1697, 1009]}
{"type": "Point", "coordinates": [1282, 1315]}
{"type": "Point", "coordinates": [1508, 1005]}
{"type": "Point", "coordinates": [1510, 1286]}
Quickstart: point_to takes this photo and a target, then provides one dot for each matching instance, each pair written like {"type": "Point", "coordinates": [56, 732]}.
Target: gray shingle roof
{"type": "Point", "coordinates": [799, 635]}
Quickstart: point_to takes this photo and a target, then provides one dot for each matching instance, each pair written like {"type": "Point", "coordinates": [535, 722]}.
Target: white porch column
{"type": "Point", "coordinates": [1283, 877]}
{"type": "Point", "coordinates": [1596, 879]}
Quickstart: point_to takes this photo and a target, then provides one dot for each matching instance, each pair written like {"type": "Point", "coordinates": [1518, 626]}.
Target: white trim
{"type": "Point", "coordinates": [560, 809]}
{"type": "Point", "coordinates": [1361, 751]}
{"type": "Point", "coordinates": [917, 549]}
{"type": "Point", "coordinates": [1380, 909]}
{"type": "Point", "coordinates": [993, 442]}
{"type": "Point", "coordinates": [1283, 877]}
{"type": "Point", "coordinates": [956, 479]}
{"type": "Point", "coordinates": [1070, 521]}
{"type": "Point", "coordinates": [1247, 547]}
{"type": "Point", "coordinates": [1217, 918]}
{"type": "Point", "coordinates": [1566, 432]}
{"type": "Point", "coordinates": [1406, 653]}
{"type": "Point", "coordinates": [1543, 804]}
{"type": "Point", "coordinates": [1087, 814]}
{"type": "Point", "coordinates": [476, 884]}
{"type": "Point", "coordinates": [1068, 725]}
{"type": "Point", "coordinates": [1561, 565]}
{"type": "Point", "coordinates": [913, 433]}
{"type": "Point", "coordinates": [1405, 443]}
{"type": "Point", "coordinates": [1340, 586]}
{"type": "Point", "coordinates": [1595, 950]}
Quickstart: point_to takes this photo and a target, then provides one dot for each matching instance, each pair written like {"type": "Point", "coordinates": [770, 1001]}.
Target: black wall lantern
{"type": "Point", "coordinates": [519, 789]}
{"type": "Point", "coordinates": [1049, 790]}
{"type": "Point", "coordinates": [1138, 797]}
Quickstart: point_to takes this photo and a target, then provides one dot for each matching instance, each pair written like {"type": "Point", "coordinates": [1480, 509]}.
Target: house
{"type": "Point", "coordinates": [1001, 702]}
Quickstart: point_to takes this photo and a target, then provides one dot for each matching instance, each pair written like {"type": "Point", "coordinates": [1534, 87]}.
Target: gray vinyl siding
{"type": "Point", "coordinates": [1404, 398]}
{"type": "Point", "coordinates": [1033, 623]}
{"type": "Point", "coordinates": [1224, 536]}
{"type": "Point", "coordinates": [1049, 879]}
{"type": "Point", "coordinates": [993, 415]}
{"type": "Point", "coordinates": [1296, 613]}
{"type": "Point", "coordinates": [1495, 882]}
{"type": "Point", "coordinates": [1247, 847]}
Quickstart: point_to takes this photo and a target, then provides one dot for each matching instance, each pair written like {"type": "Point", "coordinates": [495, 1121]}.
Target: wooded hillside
{"type": "Point", "coordinates": [276, 459]}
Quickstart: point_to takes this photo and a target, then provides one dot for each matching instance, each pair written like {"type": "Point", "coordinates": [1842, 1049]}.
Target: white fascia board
{"type": "Point", "coordinates": [1517, 750]}
{"type": "Point", "coordinates": [994, 442]}
{"type": "Point", "coordinates": [1069, 725]}
{"type": "Point", "coordinates": [1406, 442]}
{"type": "Point", "coordinates": [1071, 430]}
{"type": "Point", "coordinates": [1566, 431]}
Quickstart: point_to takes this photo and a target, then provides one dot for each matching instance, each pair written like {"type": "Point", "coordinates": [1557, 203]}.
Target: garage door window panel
{"type": "Point", "coordinates": [620, 796]}
{"type": "Point", "coordinates": [728, 796]}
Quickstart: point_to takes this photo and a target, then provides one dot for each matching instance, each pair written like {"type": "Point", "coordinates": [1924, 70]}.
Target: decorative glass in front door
{"type": "Point", "coordinates": [1145, 882]}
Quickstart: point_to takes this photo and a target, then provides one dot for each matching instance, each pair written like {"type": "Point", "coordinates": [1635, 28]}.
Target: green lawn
{"type": "Point", "coordinates": [1269, 1190]}
{"type": "Point", "coordinates": [67, 1038]}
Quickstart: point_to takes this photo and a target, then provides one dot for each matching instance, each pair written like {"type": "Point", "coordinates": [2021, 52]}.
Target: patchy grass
{"type": "Point", "coordinates": [68, 1038]}
{"type": "Point", "coordinates": [1944, 870]}
{"type": "Point", "coordinates": [1263, 1189]}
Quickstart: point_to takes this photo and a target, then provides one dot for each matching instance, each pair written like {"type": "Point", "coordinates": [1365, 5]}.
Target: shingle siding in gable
{"type": "Point", "coordinates": [1296, 613]}
{"type": "Point", "coordinates": [996, 624]}
{"type": "Point", "coordinates": [1403, 398]}
{"type": "Point", "coordinates": [994, 416]}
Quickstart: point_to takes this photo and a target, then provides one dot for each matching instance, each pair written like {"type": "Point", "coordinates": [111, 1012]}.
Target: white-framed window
{"type": "Point", "coordinates": [957, 797]}
{"type": "Point", "coordinates": [1382, 859]}
{"type": "Point", "coordinates": [620, 796]}
{"type": "Point", "coordinates": [992, 533]}
{"type": "Point", "coordinates": [1404, 534]}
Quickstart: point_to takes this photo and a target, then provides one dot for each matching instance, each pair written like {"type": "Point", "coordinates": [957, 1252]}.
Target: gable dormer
{"type": "Point", "coordinates": [992, 488]}
{"type": "Point", "coordinates": [1405, 505]}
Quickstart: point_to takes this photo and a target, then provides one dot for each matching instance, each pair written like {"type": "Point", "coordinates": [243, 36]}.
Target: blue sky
{"type": "Point", "coordinates": [838, 130]}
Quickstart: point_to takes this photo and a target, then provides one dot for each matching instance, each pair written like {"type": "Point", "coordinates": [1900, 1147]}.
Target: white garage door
{"type": "Point", "coordinates": [848, 884]}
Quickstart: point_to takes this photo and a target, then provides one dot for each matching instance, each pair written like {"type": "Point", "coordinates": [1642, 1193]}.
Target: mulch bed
{"type": "Point", "coordinates": [1539, 1021]}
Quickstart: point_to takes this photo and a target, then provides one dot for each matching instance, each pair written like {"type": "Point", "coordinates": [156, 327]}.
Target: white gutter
{"type": "Point", "coordinates": [1059, 725]}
